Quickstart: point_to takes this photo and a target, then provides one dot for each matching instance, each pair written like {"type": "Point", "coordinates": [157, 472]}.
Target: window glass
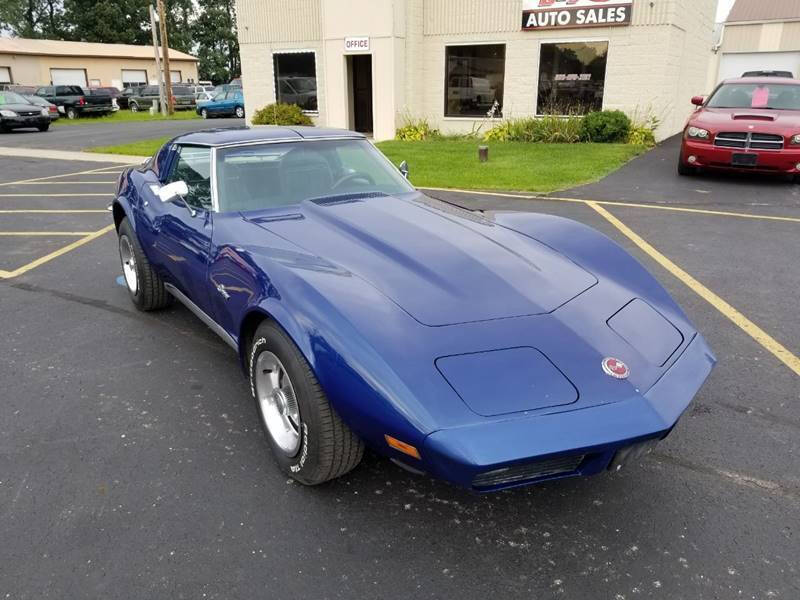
{"type": "Point", "coordinates": [474, 80]}
{"type": "Point", "coordinates": [571, 78]}
{"type": "Point", "coordinates": [753, 95]}
{"type": "Point", "coordinates": [193, 166]}
{"type": "Point", "coordinates": [11, 98]}
{"type": "Point", "coordinates": [296, 79]}
{"type": "Point", "coordinates": [274, 175]}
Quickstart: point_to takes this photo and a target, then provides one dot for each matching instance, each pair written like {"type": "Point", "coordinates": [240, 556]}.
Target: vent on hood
{"type": "Point", "coordinates": [753, 117]}
{"type": "Point", "coordinates": [345, 198]}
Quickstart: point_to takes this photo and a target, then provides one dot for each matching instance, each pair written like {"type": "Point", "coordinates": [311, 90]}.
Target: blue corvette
{"type": "Point", "coordinates": [487, 350]}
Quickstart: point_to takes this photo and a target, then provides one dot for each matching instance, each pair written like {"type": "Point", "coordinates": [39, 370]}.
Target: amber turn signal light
{"type": "Point", "coordinates": [402, 446]}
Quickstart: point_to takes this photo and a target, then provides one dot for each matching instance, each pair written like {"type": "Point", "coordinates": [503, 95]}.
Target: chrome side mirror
{"type": "Point", "coordinates": [404, 169]}
{"type": "Point", "coordinates": [173, 190]}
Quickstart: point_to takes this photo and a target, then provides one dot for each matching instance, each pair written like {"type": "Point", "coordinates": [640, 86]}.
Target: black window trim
{"type": "Point", "coordinates": [313, 113]}
{"type": "Point", "coordinates": [444, 80]}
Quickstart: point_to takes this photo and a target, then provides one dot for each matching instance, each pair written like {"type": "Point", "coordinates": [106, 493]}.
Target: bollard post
{"type": "Point", "coordinates": [483, 154]}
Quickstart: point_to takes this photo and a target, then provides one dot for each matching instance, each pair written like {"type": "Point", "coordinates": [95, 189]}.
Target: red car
{"type": "Point", "coordinates": [747, 124]}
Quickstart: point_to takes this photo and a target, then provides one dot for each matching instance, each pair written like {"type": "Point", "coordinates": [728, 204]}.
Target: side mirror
{"type": "Point", "coordinates": [173, 190]}
{"type": "Point", "coordinates": [404, 169]}
{"type": "Point", "coordinates": [698, 100]}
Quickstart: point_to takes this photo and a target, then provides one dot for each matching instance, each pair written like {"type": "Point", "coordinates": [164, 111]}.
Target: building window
{"type": "Point", "coordinates": [5, 75]}
{"type": "Point", "coordinates": [296, 79]}
{"type": "Point", "coordinates": [474, 80]}
{"type": "Point", "coordinates": [571, 78]}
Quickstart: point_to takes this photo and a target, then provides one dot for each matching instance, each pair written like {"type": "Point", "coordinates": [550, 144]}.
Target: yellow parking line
{"type": "Point", "coordinates": [721, 213]}
{"type": "Point", "coordinates": [107, 195]}
{"type": "Point", "coordinates": [51, 211]}
{"type": "Point", "coordinates": [44, 233]}
{"type": "Point", "coordinates": [61, 251]}
{"type": "Point", "coordinates": [759, 335]}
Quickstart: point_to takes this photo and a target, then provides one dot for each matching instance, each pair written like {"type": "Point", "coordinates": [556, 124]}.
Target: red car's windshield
{"type": "Point", "coordinates": [756, 95]}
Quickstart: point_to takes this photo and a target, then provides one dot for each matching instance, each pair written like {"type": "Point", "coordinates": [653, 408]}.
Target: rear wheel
{"type": "Point", "coordinates": [240, 112]}
{"type": "Point", "coordinates": [134, 107]}
{"type": "Point", "coordinates": [72, 113]}
{"type": "Point", "coordinates": [204, 113]}
{"type": "Point", "coordinates": [309, 440]}
{"type": "Point", "coordinates": [144, 285]}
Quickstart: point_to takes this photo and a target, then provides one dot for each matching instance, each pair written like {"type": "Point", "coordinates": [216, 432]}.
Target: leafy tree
{"type": "Point", "coordinates": [217, 45]}
{"type": "Point", "coordinates": [32, 18]}
{"type": "Point", "coordinates": [108, 21]}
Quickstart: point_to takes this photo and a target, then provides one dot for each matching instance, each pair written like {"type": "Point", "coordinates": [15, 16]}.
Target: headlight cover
{"type": "Point", "coordinates": [697, 133]}
{"type": "Point", "coordinates": [8, 113]}
{"type": "Point", "coordinates": [795, 140]}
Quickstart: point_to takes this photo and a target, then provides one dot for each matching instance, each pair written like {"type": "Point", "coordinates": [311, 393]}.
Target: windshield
{"type": "Point", "coordinates": [756, 95]}
{"type": "Point", "coordinates": [273, 175]}
{"type": "Point", "coordinates": [12, 98]}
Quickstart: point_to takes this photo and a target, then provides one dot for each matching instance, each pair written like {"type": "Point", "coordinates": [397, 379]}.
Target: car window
{"type": "Point", "coordinates": [44, 91]}
{"type": "Point", "coordinates": [11, 98]}
{"type": "Point", "coordinates": [193, 166]}
{"type": "Point", "coordinates": [274, 175]}
{"type": "Point", "coordinates": [756, 95]}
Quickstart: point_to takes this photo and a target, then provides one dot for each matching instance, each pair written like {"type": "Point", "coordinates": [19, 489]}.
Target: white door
{"type": "Point", "coordinates": [133, 77]}
{"type": "Point", "coordinates": [68, 77]}
{"type": "Point", "coordinates": [734, 64]}
{"type": "Point", "coordinates": [5, 75]}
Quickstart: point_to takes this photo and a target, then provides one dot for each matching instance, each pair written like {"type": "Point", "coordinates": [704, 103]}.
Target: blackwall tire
{"type": "Point", "coordinates": [134, 107]}
{"type": "Point", "coordinates": [685, 170]}
{"type": "Point", "coordinates": [239, 112]}
{"type": "Point", "coordinates": [72, 113]}
{"type": "Point", "coordinates": [326, 448]}
{"type": "Point", "coordinates": [43, 128]}
{"type": "Point", "coordinates": [145, 287]}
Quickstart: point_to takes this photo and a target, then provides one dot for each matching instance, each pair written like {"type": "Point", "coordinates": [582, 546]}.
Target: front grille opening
{"type": "Point", "coordinates": [755, 141]}
{"type": "Point", "coordinates": [528, 471]}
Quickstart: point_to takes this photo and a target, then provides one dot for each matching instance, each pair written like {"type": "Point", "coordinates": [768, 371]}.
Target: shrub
{"type": "Point", "coordinates": [547, 129]}
{"type": "Point", "coordinates": [643, 131]}
{"type": "Point", "coordinates": [281, 114]}
{"type": "Point", "coordinates": [416, 130]}
{"type": "Point", "coordinates": [606, 126]}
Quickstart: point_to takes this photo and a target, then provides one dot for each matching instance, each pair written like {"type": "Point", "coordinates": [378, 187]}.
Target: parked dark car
{"type": "Point", "coordinates": [147, 96]}
{"type": "Point", "coordinates": [74, 102]}
{"type": "Point", "coordinates": [18, 113]}
{"type": "Point", "coordinates": [788, 74]}
{"type": "Point", "coordinates": [52, 109]}
{"type": "Point", "coordinates": [113, 92]}
{"type": "Point", "coordinates": [224, 104]}
{"type": "Point", "coordinates": [125, 96]}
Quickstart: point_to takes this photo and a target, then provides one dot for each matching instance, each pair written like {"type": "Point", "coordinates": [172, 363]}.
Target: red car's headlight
{"type": "Point", "coordinates": [795, 140]}
{"type": "Point", "coordinates": [698, 133]}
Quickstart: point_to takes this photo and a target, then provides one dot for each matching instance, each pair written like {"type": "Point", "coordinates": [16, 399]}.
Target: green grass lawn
{"type": "Point", "coordinates": [512, 166]}
{"type": "Point", "coordinates": [124, 115]}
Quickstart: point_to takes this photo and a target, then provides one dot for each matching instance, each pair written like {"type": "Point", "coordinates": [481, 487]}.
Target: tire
{"type": "Point", "coordinates": [43, 128]}
{"type": "Point", "coordinates": [685, 170]}
{"type": "Point", "coordinates": [134, 107]}
{"type": "Point", "coordinates": [148, 292]}
{"type": "Point", "coordinates": [239, 112]}
{"type": "Point", "coordinates": [318, 445]}
{"type": "Point", "coordinates": [204, 113]}
{"type": "Point", "coordinates": [71, 113]}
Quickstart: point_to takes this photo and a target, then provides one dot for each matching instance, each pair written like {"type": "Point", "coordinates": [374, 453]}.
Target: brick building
{"type": "Point", "coordinates": [368, 64]}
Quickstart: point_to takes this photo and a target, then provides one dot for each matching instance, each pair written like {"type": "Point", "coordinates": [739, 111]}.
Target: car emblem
{"type": "Point", "coordinates": [615, 368]}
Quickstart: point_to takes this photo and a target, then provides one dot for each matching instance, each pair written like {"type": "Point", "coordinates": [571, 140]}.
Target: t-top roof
{"type": "Point", "coordinates": [764, 10]}
{"type": "Point", "coordinates": [244, 135]}
{"type": "Point", "coordinates": [85, 49]}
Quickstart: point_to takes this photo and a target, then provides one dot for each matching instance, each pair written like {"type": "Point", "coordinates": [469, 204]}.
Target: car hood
{"type": "Point", "coordinates": [21, 107]}
{"type": "Point", "coordinates": [440, 264]}
{"type": "Point", "coordinates": [781, 122]}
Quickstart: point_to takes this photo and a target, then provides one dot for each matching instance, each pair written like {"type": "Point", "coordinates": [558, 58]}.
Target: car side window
{"type": "Point", "coordinates": [193, 166]}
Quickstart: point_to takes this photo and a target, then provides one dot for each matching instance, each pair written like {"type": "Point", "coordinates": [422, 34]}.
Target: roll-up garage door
{"type": "Point", "coordinates": [133, 77]}
{"type": "Point", "coordinates": [68, 77]}
{"type": "Point", "coordinates": [733, 64]}
{"type": "Point", "coordinates": [5, 75]}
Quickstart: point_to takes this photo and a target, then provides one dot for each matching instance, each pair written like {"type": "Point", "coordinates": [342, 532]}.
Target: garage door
{"type": "Point", "coordinates": [133, 77]}
{"type": "Point", "coordinates": [734, 64]}
{"type": "Point", "coordinates": [5, 75]}
{"type": "Point", "coordinates": [68, 77]}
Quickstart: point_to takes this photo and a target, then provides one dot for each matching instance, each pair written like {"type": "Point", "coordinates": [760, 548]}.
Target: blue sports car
{"type": "Point", "coordinates": [487, 350]}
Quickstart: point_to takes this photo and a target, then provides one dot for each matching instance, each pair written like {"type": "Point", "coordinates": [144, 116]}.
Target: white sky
{"type": "Point", "coordinates": [723, 8]}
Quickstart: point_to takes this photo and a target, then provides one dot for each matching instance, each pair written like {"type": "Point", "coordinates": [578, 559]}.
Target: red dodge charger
{"type": "Point", "coordinates": [748, 124]}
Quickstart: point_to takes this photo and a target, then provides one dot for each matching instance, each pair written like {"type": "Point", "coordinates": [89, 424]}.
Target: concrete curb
{"type": "Point", "coordinates": [67, 155]}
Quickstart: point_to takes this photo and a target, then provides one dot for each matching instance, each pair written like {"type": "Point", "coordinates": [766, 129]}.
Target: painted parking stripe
{"type": "Point", "coordinates": [107, 195]}
{"type": "Point", "coordinates": [45, 233]}
{"type": "Point", "coordinates": [60, 252]}
{"type": "Point", "coordinates": [109, 182]}
{"type": "Point", "coordinates": [754, 331]}
{"type": "Point", "coordinates": [720, 213]}
{"type": "Point", "coordinates": [117, 168]}
{"type": "Point", "coordinates": [52, 211]}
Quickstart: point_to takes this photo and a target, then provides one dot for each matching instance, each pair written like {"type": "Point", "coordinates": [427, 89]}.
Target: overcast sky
{"type": "Point", "coordinates": [723, 8]}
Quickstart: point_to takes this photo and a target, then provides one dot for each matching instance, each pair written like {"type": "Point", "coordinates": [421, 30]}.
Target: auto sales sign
{"type": "Point", "coordinates": [564, 14]}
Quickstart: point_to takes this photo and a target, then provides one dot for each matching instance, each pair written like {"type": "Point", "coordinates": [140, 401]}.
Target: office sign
{"type": "Point", "coordinates": [356, 44]}
{"type": "Point", "coordinates": [565, 14]}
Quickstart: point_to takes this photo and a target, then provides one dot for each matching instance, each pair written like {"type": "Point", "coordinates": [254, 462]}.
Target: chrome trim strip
{"type": "Point", "coordinates": [214, 192]}
{"type": "Point", "coordinates": [198, 312]}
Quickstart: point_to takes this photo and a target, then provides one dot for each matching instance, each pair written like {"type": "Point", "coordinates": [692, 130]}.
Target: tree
{"type": "Point", "coordinates": [107, 21]}
{"type": "Point", "coordinates": [32, 18]}
{"type": "Point", "coordinates": [216, 43]}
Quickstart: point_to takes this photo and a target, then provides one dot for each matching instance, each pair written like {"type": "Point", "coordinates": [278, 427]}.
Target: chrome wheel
{"type": "Point", "coordinates": [204, 113]}
{"type": "Point", "coordinates": [240, 112]}
{"type": "Point", "coordinates": [128, 259]}
{"type": "Point", "coordinates": [278, 403]}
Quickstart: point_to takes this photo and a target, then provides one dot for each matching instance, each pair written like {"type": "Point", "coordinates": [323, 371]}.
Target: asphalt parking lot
{"type": "Point", "coordinates": [132, 464]}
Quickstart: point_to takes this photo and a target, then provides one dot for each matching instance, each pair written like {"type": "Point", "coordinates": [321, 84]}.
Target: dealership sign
{"type": "Point", "coordinates": [563, 14]}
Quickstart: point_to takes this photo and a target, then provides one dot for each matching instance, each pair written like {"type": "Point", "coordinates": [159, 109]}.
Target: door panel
{"type": "Point", "coordinates": [362, 92]}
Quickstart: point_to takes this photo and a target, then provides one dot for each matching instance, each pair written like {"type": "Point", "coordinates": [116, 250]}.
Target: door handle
{"type": "Point", "coordinates": [221, 289]}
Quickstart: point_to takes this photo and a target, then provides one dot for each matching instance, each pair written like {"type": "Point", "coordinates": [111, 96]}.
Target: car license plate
{"type": "Point", "coordinates": [744, 160]}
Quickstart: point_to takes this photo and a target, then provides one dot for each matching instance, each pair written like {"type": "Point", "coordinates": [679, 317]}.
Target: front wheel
{"type": "Point", "coordinates": [204, 113]}
{"type": "Point", "coordinates": [43, 128]}
{"type": "Point", "coordinates": [684, 169]}
{"type": "Point", "coordinates": [309, 440]}
{"type": "Point", "coordinates": [239, 112]}
{"type": "Point", "coordinates": [72, 113]}
{"type": "Point", "coordinates": [145, 286]}
{"type": "Point", "coordinates": [134, 107]}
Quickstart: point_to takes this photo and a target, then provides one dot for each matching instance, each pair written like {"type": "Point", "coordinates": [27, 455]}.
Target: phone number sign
{"type": "Point", "coordinates": [565, 14]}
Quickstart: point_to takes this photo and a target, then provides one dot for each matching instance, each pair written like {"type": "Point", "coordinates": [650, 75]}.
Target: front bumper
{"type": "Point", "coordinates": [769, 161]}
{"type": "Point", "coordinates": [24, 122]}
{"type": "Point", "coordinates": [597, 434]}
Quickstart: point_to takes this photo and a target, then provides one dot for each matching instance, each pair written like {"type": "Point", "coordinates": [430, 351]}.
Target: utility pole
{"type": "Point", "coordinates": [162, 17]}
{"type": "Point", "coordinates": [159, 73]}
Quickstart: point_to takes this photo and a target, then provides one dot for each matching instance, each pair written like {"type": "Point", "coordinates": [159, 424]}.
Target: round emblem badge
{"type": "Point", "coordinates": [615, 368]}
